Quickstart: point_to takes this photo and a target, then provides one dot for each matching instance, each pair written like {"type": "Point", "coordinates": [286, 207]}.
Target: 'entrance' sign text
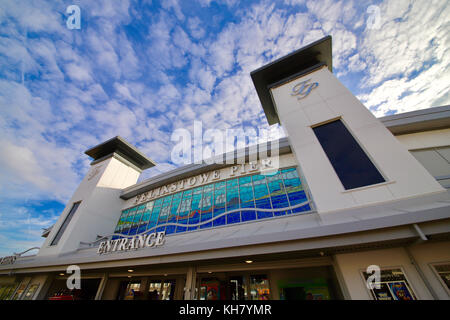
{"type": "Point", "coordinates": [151, 240]}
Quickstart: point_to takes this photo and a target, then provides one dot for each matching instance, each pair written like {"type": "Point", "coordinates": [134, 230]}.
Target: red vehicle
{"type": "Point", "coordinates": [66, 295]}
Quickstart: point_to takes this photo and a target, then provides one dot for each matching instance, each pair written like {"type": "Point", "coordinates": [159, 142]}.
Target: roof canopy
{"type": "Point", "coordinates": [121, 147]}
{"type": "Point", "coordinates": [303, 60]}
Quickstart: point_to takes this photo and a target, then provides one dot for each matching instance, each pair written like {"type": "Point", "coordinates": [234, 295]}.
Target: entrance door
{"type": "Point", "coordinates": [168, 289]}
{"type": "Point", "coordinates": [295, 293]}
{"type": "Point", "coordinates": [210, 289]}
{"type": "Point", "coordinates": [58, 290]}
{"type": "Point", "coordinates": [236, 289]}
{"type": "Point", "coordinates": [311, 283]}
{"type": "Point", "coordinates": [259, 287]}
{"type": "Point", "coordinates": [130, 290]}
{"type": "Point", "coordinates": [233, 286]}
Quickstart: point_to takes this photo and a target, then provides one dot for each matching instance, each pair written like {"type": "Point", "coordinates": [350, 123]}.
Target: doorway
{"type": "Point", "coordinates": [233, 286]}
{"type": "Point", "coordinates": [162, 289]}
{"type": "Point", "coordinates": [59, 291]}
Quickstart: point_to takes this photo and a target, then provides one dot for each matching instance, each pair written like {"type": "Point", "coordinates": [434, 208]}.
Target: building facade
{"type": "Point", "coordinates": [312, 216]}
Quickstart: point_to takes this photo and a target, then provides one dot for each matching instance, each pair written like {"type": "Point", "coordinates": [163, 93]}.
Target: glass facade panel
{"type": "Point", "coordinates": [247, 199]}
{"type": "Point", "coordinates": [277, 193]}
{"type": "Point", "coordinates": [294, 189]}
{"type": "Point", "coordinates": [194, 216]}
{"type": "Point", "coordinates": [136, 220]}
{"type": "Point", "coordinates": [184, 210]}
{"type": "Point", "coordinates": [219, 203]}
{"type": "Point", "coordinates": [262, 198]}
{"type": "Point", "coordinates": [232, 201]}
{"type": "Point", "coordinates": [259, 287]}
{"type": "Point", "coordinates": [173, 213]}
{"type": "Point", "coordinates": [206, 206]}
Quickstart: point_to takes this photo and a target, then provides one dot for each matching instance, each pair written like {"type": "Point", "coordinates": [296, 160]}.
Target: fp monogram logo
{"type": "Point", "coordinates": [301, 90]}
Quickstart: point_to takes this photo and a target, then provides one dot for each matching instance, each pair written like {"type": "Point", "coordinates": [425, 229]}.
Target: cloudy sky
{"type": "Point", "coordinates": [141, 69]}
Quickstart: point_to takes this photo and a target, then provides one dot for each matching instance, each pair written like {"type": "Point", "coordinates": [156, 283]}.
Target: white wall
{"type": "Point", "coordinates": [426, 139]}
{"type": "Point", "coordinates": [426, 255]}
{"type": "Point", "coordinates": [352, 264]}
{"type": "Point", "coordinates": [99, 211]}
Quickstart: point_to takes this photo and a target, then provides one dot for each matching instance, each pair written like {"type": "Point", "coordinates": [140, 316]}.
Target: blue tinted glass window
{"type": "Point", "coordinates": [173, 213]}
{"type": "Point", "coordinates": [194, 216]}
{"type": "Point", "coordinates": [262, 197]}
{"type": "Point", "coordinates": [233, 201]}
{"type": "Point", "coordinates": [129, 220]}
{"type": "Point", "coordinates": [184, 210]}
{"type": "Point", "coordinates": [278, 195]}
{"type": "Point", "coordinates": [136, 220]}
{"type": "Point", "coordinates": [154, 216]}
{"type": "Point", "coordinates": [351, 163]}
{"type": "Point", "coordinates": [165, 209]}
{"type": "Point", "coordinates": [207, 206]}
{"type": "Point", "coordinates": [247, 198]}
{"type": "Point", "coordinates": [219, 203]}
{"type": "Point", "coordinates": [226, 202]}
{"type": "Point", "coordinates": [121, 222]}
{"type": "Point", "coordinates": [144, 220]}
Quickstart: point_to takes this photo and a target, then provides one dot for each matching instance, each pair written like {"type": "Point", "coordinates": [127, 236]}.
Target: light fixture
{"type": "Point", "coordinates": [61, 274]}
{"type": "Point", "coordinates": [129, 276]}
{"type": "Point", "coordinates": [130, 270]}
{"type": "Point", "coordinates": [209, 271]}
{"type": "Point", "coordinates": [248, 261]}
{"type": "Point", "coordinates": [165, 275]}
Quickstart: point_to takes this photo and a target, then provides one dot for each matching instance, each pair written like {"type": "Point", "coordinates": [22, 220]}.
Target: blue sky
{"type": "Point", "coordinates": [141, 69]}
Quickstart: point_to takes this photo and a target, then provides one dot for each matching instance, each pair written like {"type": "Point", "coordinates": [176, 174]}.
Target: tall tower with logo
{"type": "Point", "coordinates": [95, 206]}
{"type": "Point", "coordinates": [348, 157]}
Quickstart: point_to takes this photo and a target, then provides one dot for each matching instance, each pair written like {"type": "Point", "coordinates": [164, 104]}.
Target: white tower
{"type": "Point", "coordinates": [348, 157]}
{"type": "Point", "coordinates": [94, 208]}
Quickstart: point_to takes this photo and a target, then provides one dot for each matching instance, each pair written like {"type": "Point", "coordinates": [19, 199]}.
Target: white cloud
{"type": "Point", "coordinates": [22, 163]}
{"type": "Point", "coordinates": [408, 60]}
{"type": "Point", "coordinates": [194, 25]}
{"type": "Point", "coordinates": [78, 73]}
{"type": "Point", "coordinates": [175, 6]}
{"type": "Point", "coordinates": [124, 92]}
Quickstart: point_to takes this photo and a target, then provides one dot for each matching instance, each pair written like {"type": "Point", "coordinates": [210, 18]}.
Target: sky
{"type": "Point", "coordinates": [142, 69]}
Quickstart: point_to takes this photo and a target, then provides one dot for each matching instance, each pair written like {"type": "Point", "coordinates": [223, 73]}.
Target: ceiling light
{"type": "Point", "coordinates": [130, 270]}
{"type": "Point", "coordinates": [248, 261]}
{"type": "Point", "coordinates": [61, 274]}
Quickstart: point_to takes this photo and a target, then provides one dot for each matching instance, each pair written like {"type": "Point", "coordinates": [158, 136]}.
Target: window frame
{"type": "Point", "coordinates": [223, 189]}
{"type": "Point", "coordinates": [62, 228]}
{"type": "Point", "coordinates": [363, 148]}
{"type": "Point", "coordinates": [408, 282]}
{"type": "Point", "coordinates": [436, 273]}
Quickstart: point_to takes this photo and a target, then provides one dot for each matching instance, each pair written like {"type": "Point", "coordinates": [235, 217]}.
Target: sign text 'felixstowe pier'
{"type": "Point", "coordinates": [265, 165]}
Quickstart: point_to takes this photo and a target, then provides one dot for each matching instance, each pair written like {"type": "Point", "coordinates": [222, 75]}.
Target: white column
{"type": "Point", "coordinates": [191, 279]}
